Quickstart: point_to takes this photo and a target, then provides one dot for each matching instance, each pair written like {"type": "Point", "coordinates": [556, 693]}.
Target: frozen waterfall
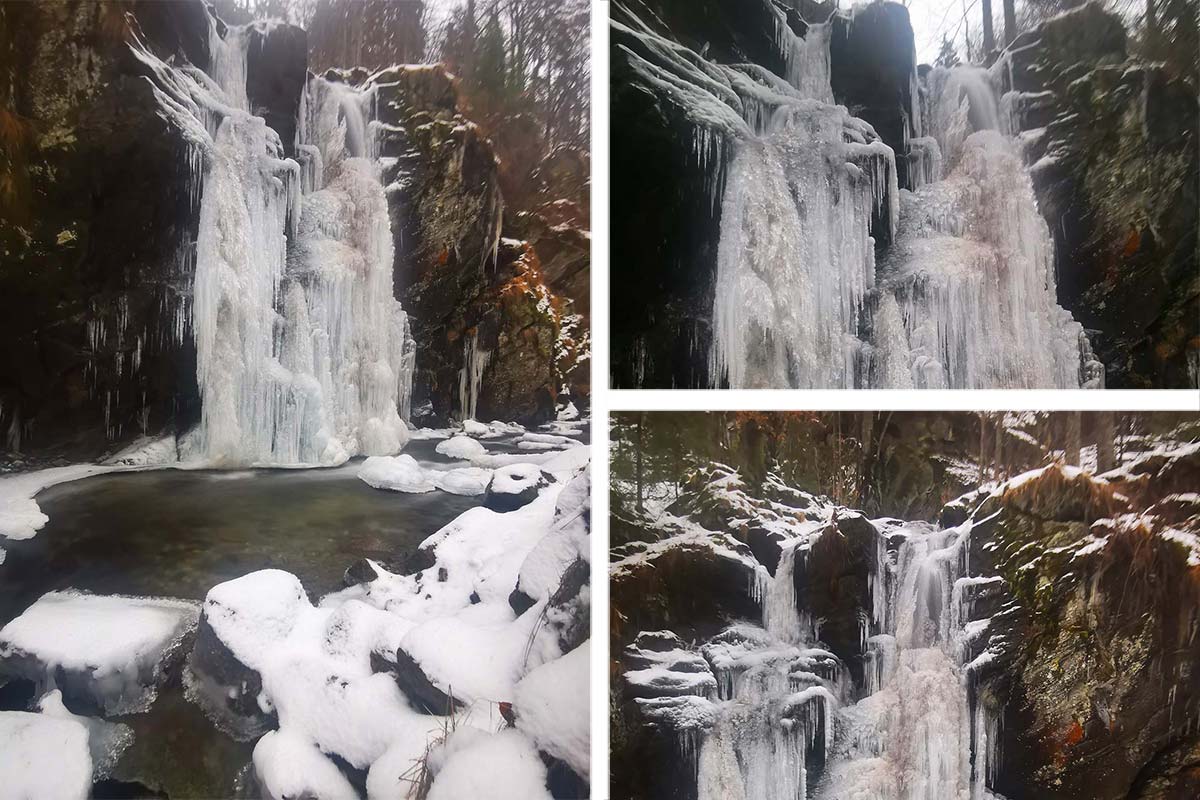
{"type": "Point", "coordinates": [790, 722]}
{"type": "Point", "coordinates": [962, 297]}
{"type": "Point", "coordinates": [917, 735]}
{"type": "Point", "coordinates": [303, 355]}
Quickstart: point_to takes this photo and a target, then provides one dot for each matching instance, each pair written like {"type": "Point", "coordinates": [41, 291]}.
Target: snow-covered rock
{"type": "Point", "coordinates": [551, 705]}
{"type": "Point", "coordinates": [104, 650]}
{"type": "Point", "coordinates": [404, 474]}
{"type": "Point", "coordinates": [515, 486]}
{"type": "Point", "coordinates": [461, 447]}
{"type": "Point", "coordinates": [399, 473]}
{"type": "Point", "coordinates": [288, 766]}
{"type": "Point", "coordinates": [500, 766]}
{"type": "Point", "coordinates": [44, 756]}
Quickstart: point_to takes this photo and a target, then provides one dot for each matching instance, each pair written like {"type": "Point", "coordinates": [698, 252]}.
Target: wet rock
{"type": "Point", "coordinates": [1125, 246]}
{"type": "Point", "coordinates": [276, 67]}
{"type": "Point", "coordinates": [226, 689]}
{"type": "Point", "coordinates": [420, 691]}
{"type": "Point", "coordinates": [360, 571]}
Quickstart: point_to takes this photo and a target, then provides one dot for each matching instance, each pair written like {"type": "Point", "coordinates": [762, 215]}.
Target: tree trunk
{"type": "Point", "coordinates": [1010, 21]}
{"type": "Point", "coordinates": [1074, 436]}
{"type": "Point", "coordinates": [641, 424]}
{"type": "Point", "coordinates": [868, 456]}
{"type": "Point", "coordinates": [1106, 441]}
{"type": "Point", "coordinates": [989, 38]}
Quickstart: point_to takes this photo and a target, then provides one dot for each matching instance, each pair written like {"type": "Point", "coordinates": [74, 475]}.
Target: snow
{"type": "Point", "coordinates": [113, 645]}
{"type": "Point", "coordinates": [502, 766]}
{"type": "Point", "coordinates": [316, 668]}
{"type": "Point", "coordinates": [552, 705]}
{"type": "Point", "coordinates": [20, 515]}
{"type": "Point", "coordinates": [107, 741]}
{"type": "Point", "coordinates": [289, 766]}
{"type": "Point", "coordinates": [44, 756]}
{"type": "Point", "coordinates": [515, 479]}
{"type": "Point", "coordinates": [317, 673]}
{"type": "Point", "coordinates": [542, 569]}
{"type": "Point", "coordinates": [148, 452]}
{"type": "Point", "coordinates": [399, 474]}
{"type": "Point", "coordinates": [403, 473]}
{"type": "Point", "coordinates": [461, 447]}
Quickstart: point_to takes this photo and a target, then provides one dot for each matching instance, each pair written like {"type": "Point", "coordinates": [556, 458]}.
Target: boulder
{"type": "Point", "coordinates": [515, 487]}
{"type": "Point", "coordinates": [421, 692]}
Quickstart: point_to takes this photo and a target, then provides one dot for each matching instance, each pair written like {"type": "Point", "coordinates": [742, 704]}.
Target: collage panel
{"type": "Point", "coordinates": [904, 604]}
{"type": "Point", "coordinates": [917, 195]}
{"type": "Point", "coordinates": [294, 399]}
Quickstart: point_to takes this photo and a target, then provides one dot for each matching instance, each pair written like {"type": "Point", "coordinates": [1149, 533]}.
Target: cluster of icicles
{"type": "Point", "coordinates": [303, 355]}
{"type": "Point", "coordinates": [965, 295]}
{"type": "Point", "coordinates": [909, 731]}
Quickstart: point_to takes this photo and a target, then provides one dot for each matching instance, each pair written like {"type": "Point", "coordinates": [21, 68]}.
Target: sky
{"type": "Point", "coordinates": [933, 18]}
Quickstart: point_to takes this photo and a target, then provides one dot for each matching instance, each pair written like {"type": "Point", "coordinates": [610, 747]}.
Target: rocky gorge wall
{"type": "Point", "coordinates": [99, 218]}
{"type": "Point", "coordinates": [1078, 603]}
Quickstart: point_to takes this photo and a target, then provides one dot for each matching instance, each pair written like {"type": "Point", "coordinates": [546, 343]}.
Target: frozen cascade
{"type": "Point", "coordinates": [971, 268]}
{"type": "Point", "coordinates": [915, 736]}
{"type": "Point", "coordinates": [796, 258]}
{"type": "Point", "coordinates": [470, 377]}
{"type": "Point", "coordinates": [303, 355]}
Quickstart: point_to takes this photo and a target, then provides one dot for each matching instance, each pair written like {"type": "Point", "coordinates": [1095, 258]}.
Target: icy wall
{"type": "Point", "coordinates": [303, 356]}
{"type": "Point", "coordinates": [824, 273]}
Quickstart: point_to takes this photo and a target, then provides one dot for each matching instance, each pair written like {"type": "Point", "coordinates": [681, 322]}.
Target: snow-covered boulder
{"type": "Point", "coordinates": [399, 473]}
{"type": "Point", "coordinates": [243, 620]}
{"type": "Point", "coordinates": [515, 486]}
{"type": "Point", "coordinates": [288, 766]}
{"type": "Point", "coordinates": [467, 481]}
{"type": "Point", "coordinates": [463, 448]}
{"type": "Point", "coordinates": [404, 474]}
{"type": "Point", "coordinates": [552, 708]}
{"type": "Point", "coordinates": [499, 766]}
{"type": "Point", "coordinates": [104, 652]}
{"type": "Point", "coordinates": [44, 756]}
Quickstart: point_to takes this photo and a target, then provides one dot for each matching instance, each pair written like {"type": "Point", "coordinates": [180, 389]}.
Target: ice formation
{"type": "Point", "coordinates": [962, 296]}
{"type": "Point", "coordinates": [917, 735]}
{"type": "Point", "coordinates": [303, 355]}
{"type": "Point", "coordinates": [110, 649]}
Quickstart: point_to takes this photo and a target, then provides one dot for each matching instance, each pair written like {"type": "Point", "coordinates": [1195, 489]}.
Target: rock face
{"type": "Point", "coordinates": [1116, 169]}
{"type": "Point", "coordinates": [1095, 677]}
{"type": "Point", "coordinates": [92, 277]}
{"type": "Point", "coordinates": [486, 323]}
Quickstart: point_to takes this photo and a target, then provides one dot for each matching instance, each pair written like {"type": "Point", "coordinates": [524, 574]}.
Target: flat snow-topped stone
{"type": "Point", "coordinates": [108, 651]}
{"type": "Point", "coordinates": [461, 447]}
{"type": "Point", "coordinates": [44, 756]}
{"type": "Point", "coordinates": [396, 473]}
{"type": "Point", "coordinates": [515, 486]}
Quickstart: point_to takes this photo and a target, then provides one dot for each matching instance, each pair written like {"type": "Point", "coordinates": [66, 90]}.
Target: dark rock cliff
{"type": "Point", "coordinates": [1115, 148]}
{"type": "Point", "coordinates": [467, 287]}
{"type": "Point", "coordinates": [96, 202]}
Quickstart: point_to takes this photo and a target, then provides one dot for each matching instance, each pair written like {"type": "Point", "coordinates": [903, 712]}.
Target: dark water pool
{"type": "Point", "coordinates": [177, 534]}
